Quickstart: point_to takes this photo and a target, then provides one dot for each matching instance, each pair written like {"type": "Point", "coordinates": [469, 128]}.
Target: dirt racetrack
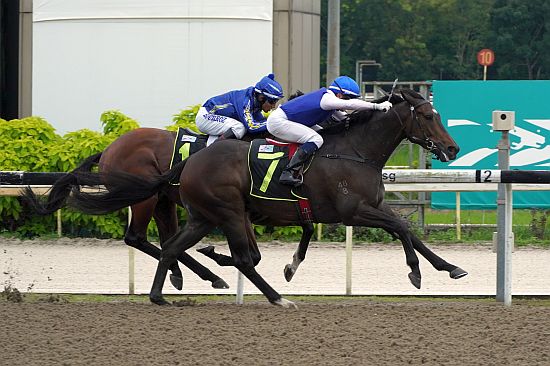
{"type": "Point", "coordinates": [354, 332]}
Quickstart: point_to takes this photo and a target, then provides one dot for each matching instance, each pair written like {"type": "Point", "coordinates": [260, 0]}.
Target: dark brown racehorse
{"type": "Point", "coordinates": [343, 182]}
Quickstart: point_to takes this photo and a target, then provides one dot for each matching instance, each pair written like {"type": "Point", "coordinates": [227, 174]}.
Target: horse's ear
{"type": "Point", "coordinates": [407, 95]}
{"type": "Point", "coordinates": [397, 96]}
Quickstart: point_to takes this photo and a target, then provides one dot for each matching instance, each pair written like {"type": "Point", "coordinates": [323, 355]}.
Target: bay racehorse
{"type": "Point", "coordinates": [343, 183]}
{"type": "Point", "coordinates": [145, 152]}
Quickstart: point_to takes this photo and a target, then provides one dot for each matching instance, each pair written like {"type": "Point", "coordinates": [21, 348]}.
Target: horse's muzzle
{"type": "Point", "coordinates": [446, 154]}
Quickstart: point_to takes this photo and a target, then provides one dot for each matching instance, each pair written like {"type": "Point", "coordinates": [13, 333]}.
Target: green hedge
{"type": "Point", "coordinates": [31, 144]}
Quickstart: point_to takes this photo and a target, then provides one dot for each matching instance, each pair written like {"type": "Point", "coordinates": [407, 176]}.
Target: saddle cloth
{"type": "Point", "coordinates": [266, 160]}
{"type": "Point", "coordinates": [187, 143]}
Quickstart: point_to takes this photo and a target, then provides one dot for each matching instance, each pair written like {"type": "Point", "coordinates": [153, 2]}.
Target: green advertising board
{"type": "Point", "coordinates": [466, 111]}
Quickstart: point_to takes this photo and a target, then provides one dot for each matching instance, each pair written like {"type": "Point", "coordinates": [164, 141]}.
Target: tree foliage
{"type": "Point", "coordinates": [439, 39]}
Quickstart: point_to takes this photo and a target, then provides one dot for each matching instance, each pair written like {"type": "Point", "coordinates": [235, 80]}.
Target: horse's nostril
{"type": "Point", "coordinates": [453, 149]}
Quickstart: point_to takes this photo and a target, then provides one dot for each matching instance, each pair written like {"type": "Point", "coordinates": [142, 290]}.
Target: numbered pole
{"type": "Point", "coordinates": [485, 58]}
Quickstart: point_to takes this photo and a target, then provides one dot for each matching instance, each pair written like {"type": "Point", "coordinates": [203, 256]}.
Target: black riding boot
{"type": "Point", "coordinates": [293, 167]}
{"type": "Point", "coordinates": [227, 135]}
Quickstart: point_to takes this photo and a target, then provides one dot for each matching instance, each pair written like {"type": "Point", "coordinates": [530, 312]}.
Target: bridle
{"type": "Point", "coordinates": [426, 142]}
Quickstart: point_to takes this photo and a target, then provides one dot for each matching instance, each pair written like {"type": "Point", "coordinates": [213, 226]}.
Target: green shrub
{"type": "Point", "coordinates": [185, 119]}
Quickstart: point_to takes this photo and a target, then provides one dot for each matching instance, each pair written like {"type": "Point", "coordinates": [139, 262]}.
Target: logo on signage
{"type": "Point", "coordinates": [529, 144]}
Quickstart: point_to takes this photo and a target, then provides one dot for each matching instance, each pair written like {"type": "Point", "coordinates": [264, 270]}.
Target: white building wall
{"type": "Point", "coordinates": [148, 59]}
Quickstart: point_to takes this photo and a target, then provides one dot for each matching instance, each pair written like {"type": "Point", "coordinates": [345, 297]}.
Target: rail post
{"type": "Point", "coordinates": [349, 246]}
{"type": "Point", "coordinates": [131, 261]}
{"type": "Point", "coordinates": [503, 121]}
{"type": "Point", "coordinates": [239, 300]}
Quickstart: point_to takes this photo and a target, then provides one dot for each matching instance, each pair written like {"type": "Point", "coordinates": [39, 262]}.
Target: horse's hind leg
{"type": "Point", "coordinates": [436, 261]}
{"type": "Point", "coordinates": [300, 253]}
{"type": "Point", "coordinates": [167, 222]}
{"type": "Point", "coordinates": [240, 246]}
{"type": "Point", "coordinates": [194, 230]}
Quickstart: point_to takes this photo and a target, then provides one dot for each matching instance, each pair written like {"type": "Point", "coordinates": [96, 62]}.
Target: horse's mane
{"type": "Point", "coordinates": [295, 95]}
{"type": "Point", "coordinates": [365, 115]}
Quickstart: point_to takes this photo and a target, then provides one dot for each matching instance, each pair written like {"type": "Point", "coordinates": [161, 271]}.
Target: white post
{"type": "Point", "coordinates": [131, 261]}
{"type": "Point", "coordinates": [504, 121]}
{"type": "Point", "coordinates": [458, 221]}
{"type": "Point", "coordinates": [349, 245]}
{"type": "Point", "coordinates": [240, 288]}
{"type": "Point", "coordinates": [59, 224]}
{"type": "Point", "coordinates": [333, 40]}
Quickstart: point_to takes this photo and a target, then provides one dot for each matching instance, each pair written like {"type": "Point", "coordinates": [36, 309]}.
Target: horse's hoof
{"type": "Point", "coordinates": [457, 273]}
{"type": "Point", "coordinates": [220, 284]}
{"type": "Point", "coordinates": [207, 251]}
{"type": "Point", "coordinates": [159, 300]}
{"type": "Point", "coordinates": [415, 280]}
{"type": "Point", "coordinates": [289, 273]}
{"type": "Point", "coordinates": [287, 304]}
{"type": "Point", "coordinates": [176, 281]}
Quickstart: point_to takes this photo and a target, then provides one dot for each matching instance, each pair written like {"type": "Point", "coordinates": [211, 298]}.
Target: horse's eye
{"type": "Point", "coordinates": [429, 116]}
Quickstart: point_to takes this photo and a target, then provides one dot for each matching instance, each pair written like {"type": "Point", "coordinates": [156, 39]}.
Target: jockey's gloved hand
{"type": "Point", "coordinates": [384, 106]}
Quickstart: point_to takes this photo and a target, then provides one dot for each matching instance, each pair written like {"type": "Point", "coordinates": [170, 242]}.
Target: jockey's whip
{"type": "Point", "coordinates": [392, 89]}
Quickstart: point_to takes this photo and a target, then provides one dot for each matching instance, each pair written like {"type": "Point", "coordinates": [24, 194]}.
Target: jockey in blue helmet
{"type": "Point", "coordinates": [238, 112]}
{"type": "Point", "coordinates": [298, 119]}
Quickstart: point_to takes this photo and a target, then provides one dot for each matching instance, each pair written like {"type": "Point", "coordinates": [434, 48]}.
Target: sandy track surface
{"type": "Point", "coordinates": [101, 266]}
{"type": "Point", "coordinates": [352, 333]}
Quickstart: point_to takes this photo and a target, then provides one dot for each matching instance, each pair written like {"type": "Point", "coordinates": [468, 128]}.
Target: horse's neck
{"type": "Point", "coordinates": [374, 140]}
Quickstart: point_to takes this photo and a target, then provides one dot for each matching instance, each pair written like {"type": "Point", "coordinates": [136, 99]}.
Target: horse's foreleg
{"type": "Point", "coordinates": [167, 222]}
{"type": "Point", "coordinates": [370, 216]}
{"type": "Point", "coordinates": [439, 263]}
{"type": "Point", "coordinates": [194, 230]}
{"type": "Point", "coordinates": [436, 261]}
{"type": "Point", "coordinates": [221, 259]}
{"type": "Point", "coordinates": [300, 253]}
{"type": "Point", "coordinates": [226, 260]}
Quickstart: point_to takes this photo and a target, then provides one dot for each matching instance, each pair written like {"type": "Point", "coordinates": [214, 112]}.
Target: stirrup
{"type": "Point", "coordinates": [287, 178]}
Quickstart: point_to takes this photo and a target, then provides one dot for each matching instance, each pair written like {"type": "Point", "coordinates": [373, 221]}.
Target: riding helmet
{"type": "Point", "coordinates": [269, 87]}
{"type": "Point", "coordinates": [345, 85]}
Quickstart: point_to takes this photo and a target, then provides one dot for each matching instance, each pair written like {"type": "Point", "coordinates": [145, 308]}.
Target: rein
{"type": "Point", "coordinates": [430, 146]}
{"type": "Point", "coordinates": [357, 159]}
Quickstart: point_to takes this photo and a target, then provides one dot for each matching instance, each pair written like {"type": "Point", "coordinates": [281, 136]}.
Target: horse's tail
{"type": "Point", "coordinates": [123, 189]}
{"type": "Point", "coordinates": [60, 189]}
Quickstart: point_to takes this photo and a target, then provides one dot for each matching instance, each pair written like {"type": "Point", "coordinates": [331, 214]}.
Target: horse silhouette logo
{"type": "Point", "coordinates": [528, 144]}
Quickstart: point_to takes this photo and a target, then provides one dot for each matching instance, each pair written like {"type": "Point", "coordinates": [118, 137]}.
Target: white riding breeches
{"type": "Point", "coordinates": [215, 125]}
{"type": "Point", "coordinates": [281, 127]}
